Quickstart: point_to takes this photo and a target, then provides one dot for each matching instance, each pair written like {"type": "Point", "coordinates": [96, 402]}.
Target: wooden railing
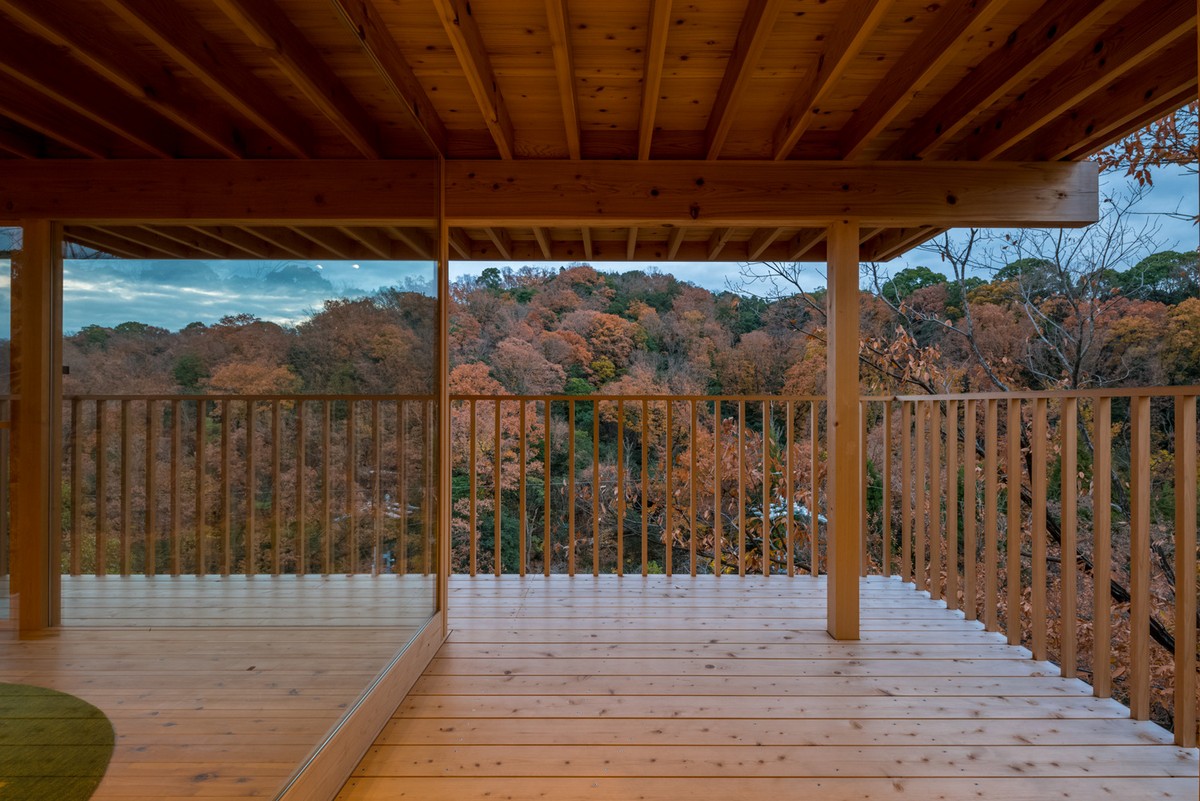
{"type": "Point", "coordinates": [1065, 520]}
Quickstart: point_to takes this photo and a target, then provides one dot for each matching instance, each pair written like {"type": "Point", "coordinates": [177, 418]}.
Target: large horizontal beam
{"type": "Point", "coordinates": [495, 194]}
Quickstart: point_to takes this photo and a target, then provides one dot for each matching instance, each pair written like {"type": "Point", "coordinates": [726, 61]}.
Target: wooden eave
{"type": "Point", "coordinates": [858, 82]}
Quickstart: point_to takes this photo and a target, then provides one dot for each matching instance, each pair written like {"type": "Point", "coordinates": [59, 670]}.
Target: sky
{"type": "Point", "coordinates": [171, 293]}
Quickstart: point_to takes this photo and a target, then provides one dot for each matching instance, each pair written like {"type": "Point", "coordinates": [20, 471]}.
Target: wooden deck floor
{"type": "Point", "coordinates": [704, 689]}
{"type": "Point", "coordinates": [216, 687]}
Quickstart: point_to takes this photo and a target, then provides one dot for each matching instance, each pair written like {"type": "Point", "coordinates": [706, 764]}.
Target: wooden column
{"type": "Point", "coordinates": [36, 383]}
{"type": "Point", "coordinates": [443, 414]}
{"type": "Point", "coordinates": [841, 379]}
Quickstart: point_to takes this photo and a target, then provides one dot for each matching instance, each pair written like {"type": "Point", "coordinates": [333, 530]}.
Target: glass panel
{"type": "Point", "coordinates": [10, 245]}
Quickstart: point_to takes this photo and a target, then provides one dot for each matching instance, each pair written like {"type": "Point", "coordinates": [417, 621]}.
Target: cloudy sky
{"type": "Point", "coordinates": [172, 294]}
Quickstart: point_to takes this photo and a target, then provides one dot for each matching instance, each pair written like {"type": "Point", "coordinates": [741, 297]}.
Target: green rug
{"type": "Point", "coordinates": [53, 746]}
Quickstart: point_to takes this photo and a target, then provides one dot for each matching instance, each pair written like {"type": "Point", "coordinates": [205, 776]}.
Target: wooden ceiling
{"type": "Point", "coordinates": [856, 80]}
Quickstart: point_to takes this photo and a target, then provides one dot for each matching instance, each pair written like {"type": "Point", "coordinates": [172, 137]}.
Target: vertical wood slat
{"type": "Point", "coordinates": [766, 488]}
{"type": "Point", "coordinates": [669, 532]}
{"type": "Point", "coordinates": [547, 544]}
{"type": "Point", "coordinates": [326, 488]}
{"type": "Point", "coordinates": [970, 509]}
{"type": "Point", "coordinates": [126, 488]}
{"type": "Point", "coordinates": [101, 566]}
{"type": "Point", "coordinates": [226, 494]}
{"type": "Point", "coordinates": [497, 492]}
{"type": "Point", "coordinates": [741, 488]}
{"type": "Point", "coordinates": [570, 488]}
{"type": "Point", "coordinates": [991, 524]}
{"type": "Point", "coordinates": [301, 490]}
{"type": "Point", "coordinates": [620, 488]}
{"type": "Point", "coordinates": [937, 542]}
{"type": "Point", "coordinates": [1139, 558]}
{"type": "Point", "coordinates": [885, 527]}
{"type": "Point", "coordinates": [201, 455]}
{"type": "Point", "coordinates": [76, 562]}
{"type": "Point", "coordinates": [595, 488]}
{"type": "Point", "coordinates": [402, 485]}
{"type": "Point", "coordinates": [352, 488]}
{"type": "Point", "coordinates": [717, 533]}
{"type": "Point", "coordinates": [1037, 478]}
{"type": "Point", "coordinates": [921, 522]}
{"type": "Point", "coordinates": [789, 488]}
{"type": "Point", "coordinates": [1185, 571]}
{"type": "Point", "coordinates": [814, 511]}
{"type": "Point", "coordinates": [864, 544]}
{"type": "Point", "coordinates": [176, 488]}
{"type": "Point", "coordinates": [151, 526]}
{"type": "Point", "coordinates": [252, 491]}
{"type": "Point", "coordinates": [1013, 562]}
{"type": "Point", "coordinates": [951, 504]}
{"type": "Point", "coordinates": [906, 491]}
{"type": "Point", "coordinates": [1102, 538]}
{"type": "Point", "coordinates": [472, 511]}
{"type": "Point", "coordinates": [276, 485]}
{"type": "Point", "coordinates": [522, 460]}
{"type": "Point", "coordinates": [1069, 450]}
{"type": "Point", "coordinates": [377, 485]}
{"type": "Point", "coordinates": [693, 480]}
{"type": "Point", "coordinates": [645, 487]}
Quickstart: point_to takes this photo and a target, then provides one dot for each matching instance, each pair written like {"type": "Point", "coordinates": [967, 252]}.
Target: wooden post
{"type": "Point", "coordinates": [841, 381]}
{"type": "Point", "coordinates": [36, 383]}
{"type": "Point", "coordinates": [444, 500]}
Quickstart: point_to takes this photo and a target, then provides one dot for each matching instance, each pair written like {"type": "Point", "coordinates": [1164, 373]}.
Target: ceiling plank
{"type": "Point", "coordinates": [238, 239]}
{"type": "Point", "coordinates": [477, 69]}
{"type": "Point", "coordinates": [804, 242]}
{"type": "Point", "coordinates": [170, 29]}
{"type": "Point", "coordinates": [755, 30]}
{"type": "Point", "coordinates": [717, 242]}
{"type": "Point", "coordinates": [631, 241]}
{"type": "Point", "coordinates": [1131, 98]}
{"type": "Point", "coordinates": [658, 25]}
{"type": "Point", "coordinates": [381, 49]}
{"type": "Point", "coordinates": [1125, 46]}
{"type": "Point", "coordinates": [587, 243]}
{"type": "Point", "coordinates": [928, 55]}
{"type": "Point", "coordinates": [674, 241]}
{"type": "Point", "coordinates": [543, 241]}
{"type": "Point", "coordinates": [1054, 25]}
{"type": "Point", "coordinates": [501, 240]}
{"type": "Point", "coordinates": [40, 66]}
{"type": "Point", "coordinates": [461, 242]}
{"type": "Point", "coordinates": [89, 40]}
{"type": "Point", "coordinates": [266, 25]}
{"type": "Point", "coordinates": [762, 239]}
{"type": "Point", "coordinates": [854, 27]}
{"type": "Point", "coordinates": [564, 69]}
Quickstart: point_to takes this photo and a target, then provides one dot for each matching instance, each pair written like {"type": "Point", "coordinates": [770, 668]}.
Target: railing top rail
{"type": "Point", "coordinates": [639, 398]}
{"type": "Point", "coordinates": [1109, 392]}
{"type": "Point", "coordinates": [303, 397]}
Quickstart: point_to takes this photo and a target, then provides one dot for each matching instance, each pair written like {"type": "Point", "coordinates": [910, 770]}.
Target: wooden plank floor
{"type": "Point", "coordinates": [705, 689]}
{"type": "Point", "coordinates": [217, 687]}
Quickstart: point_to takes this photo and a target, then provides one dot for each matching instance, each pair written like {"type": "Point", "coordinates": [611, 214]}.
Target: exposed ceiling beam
{"type": "Point", "coordinates": [543, 240]}
{"type": "Point", "coordinates": [854, 26]}
{"type": "Point", "coordinates": [1055, 24]}
{"type": "Point", "coordinates": [171, 30]}
{"type": "Point", "coordinates": [477, 69]}
{"type": "Point", "coordinates": [1125, 102]}
{"type": "Point", "coordinates": [631, 241]}
{"type": "Point", "coordinates": [501, 240]}
{"type": "Point", "coordinates": [460, 242]}
{"type": "Point", "coordinates": [559, 20]}
{"type": "Point", "coordinates": [752, 38]}
{"type": "Point", "coordinates": [804, 242]}
{"type": "Point", "coordinates": [953, 25]}
{"type": "Point", "coordinates": [238, 239]}
{"type": "Point", "coordinates": [587, 242]}
{"type": "Point", "coordinates": [380, 47]}
{"type": "Point", "coordinates": [658, 25]}
{"type": "Point", "coordinates": [717, 242]}
{"type": "Point", "coordinates": [40, 66]}
{"type": "Point", "coordinates": [89, 40]}
{"type": "Point", "coordinates": [674, 241]}
{"type": "Point", "coordinates": [562, 194]}
{"type": "Point", "coordinates": [762, 239]}
{"type": "Point", "coordinates": [1130, 43]}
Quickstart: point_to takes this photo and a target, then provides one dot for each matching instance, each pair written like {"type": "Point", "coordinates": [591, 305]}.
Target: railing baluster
{"type": "Point", "coordinates": [886, 512]}
{"type": "Point", "coordinates": [76, 562]}
{"type": "Point", "coordinates": [226, 511]}
{"type": "Point", "coordinates": [522, 459]}
{"type": "Point", "coordinates": [301, 486]}
{"type": "Point", "coordinates": [906, 491]}
{"type": "Point", "coordinates": [788, 490]}
{"type": "Point", "coordinates": [669, 533]}
{"type": "Point", "coordinates": [1037, 593]}
{"type": "Point", "coordinates": [1013, 562]}
{"type": "Point", "coordinates": [251, 491]}
{"type": "Point", "coordinates": [200, 453]}
{"type": "Point", "coordinates": [126, 489]}
{"type": "Point", "coordinates": [176, 487]}
{"type": "Point", "coordinates": [571, 488]}
{"type": "Point", "coordinates": [970, 504]}
{"type": "Point", "coordinates": [497, 492]}
{"type": "Point", "coordinates": [920, 561]}
{"type": "Point", "coordinates": [937, 542]}
{"type": "Point", "coordinates": [1102, 539]}
{"type": "Point", "coordinates": [1185, 571]}
{"type": "Point", "coordinates": [377, 486]}
{"type": "Point", "coordinates": [151, 532]}
{"type": "Point", "coordinates": [547, 544]}
{"type": "Point", "coordinates": [620, 488]}
{"type": "Point", "coordinates": [814, 516]}
{"type": "Point", "coordinates": [766, 488]}
{"type": "Point", "coordinates": [101, 565]}
{"type": "Point", "coordinates": [952, 505]}
{"type": "Point", "coordinates": [991, 525]}
{"type": "Point", "coordinates": [717, 534]}
{"type": "Point", "coordinates": [1139, 557]}
{"type": "Point", "coordinates": [1069, 450]}
{"type": "Point", "coordinates": [645, 487]}
{"type": "Point", "coordinates": [472, 531]}
{"type": "Point", "coordinates": [741, 488]}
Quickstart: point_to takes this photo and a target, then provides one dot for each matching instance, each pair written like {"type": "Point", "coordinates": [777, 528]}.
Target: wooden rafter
{"type": "Point", "coordinates": [285, 240]}
{"type": "Point", "coordinates": [53, 121]}
{"type": "Point", "coordinates": [375, 241]}
{"type": "Point", "coordinates": [922, 61]}
{"type": "Point", "coordinates": [631, 243]}
{"type": "Point", "coordinates": [330, 242]}
{"type": "Point", "coordinates": [104, 243]}
{"type": "Point", "coordinates": [23, 144]}
{"type": "Point", "coordinates": [501, 239]}
{"type": "Point", "coordinates": [38, 64]}
{"type": "Point", "coordinates": [238, 239]}
{"type": "Point", "coordinates": [1056, 24]}
{"type": "Point", "coordinates": [609, 250]}
{"type": "Point", "coordinates": [804, 242]}
{"type": "Point", "coordinates": [477, 69]}
{"type": "Point", "coordinates": [211, 62]}
{"type": "Point", "coordinates": [892, 243]}
{"type": "Point", "coordinates": [416, 240]}
{"type": "Point", "coordinates": [559, 21]}
{"type": "Point", "coordinates": [658, 25]}
{"type": "Point", "coordinates": [1125, 46]}
{"type": "Point", "coordinates": [588, 252]}
{"type": "Point", "coordinates": [379, 46]}
{"type": "Point", "coordinates": [191, 238]}
{"type": "Point", "coordinates": [461, 243]}
{"type": "Point", "coordinates": [150, 242]}
{"type": "Point", "coordinates": [267, 26]}
{"type": "Point", "coordinates": [854, 27]}
{"type": "Point", "coordinates": [674, 241]}
{"type": "Point", "coordinates": [762, 239]}
{"type": "Point", "coordinates": [1165, 106]}
{"type": "Point", "coordinates": [717, 242]}
{"type": "Point", "coordinates": [752, 38]}
{"type": "Point", "coordinates": [87, 39]}
{"type": "Point", "coordinates": [543, 240]}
